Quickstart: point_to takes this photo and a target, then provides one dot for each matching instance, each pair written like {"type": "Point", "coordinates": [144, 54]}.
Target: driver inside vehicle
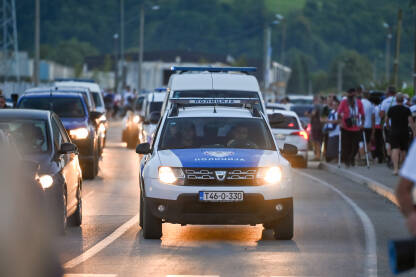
{"type": "Point", "coordinates": [240, 139]}
{"type": "Point", "coordinates": [188, 136]}
{"type": "Point", "coordinates": [30, 137]}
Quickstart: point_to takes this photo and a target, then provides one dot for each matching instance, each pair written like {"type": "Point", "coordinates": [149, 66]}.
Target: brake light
{"type": "Point", "coordinates": [291, 125]}
{"type": "Point", "coordinates": [302, 134]}
{"type": "Point", "coordinates": [308, 128]}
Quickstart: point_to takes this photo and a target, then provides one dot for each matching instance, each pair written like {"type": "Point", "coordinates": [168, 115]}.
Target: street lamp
{"type": "Point", "coordinates": [388, 42]}
{"type": "Point", "coordinates": [268, 49]}
{"type": "Point", "coordinates": [141, 45]}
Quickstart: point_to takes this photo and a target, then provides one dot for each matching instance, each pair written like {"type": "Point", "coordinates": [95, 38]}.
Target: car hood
{"type": "Point", "coordinates": [74, 123]}
{"type": "Point", "coordinates": [218, 158]}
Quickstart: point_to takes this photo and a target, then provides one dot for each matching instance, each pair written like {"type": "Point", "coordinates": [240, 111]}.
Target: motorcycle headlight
{"type": "Point", "coordinates": [46, 181]}
{"type": "Point", "coordinates": [136, 119]}
{"type": "Point", "coordinates": [80, 133]}
{"type": "Point", "coordinates": [169, 175]}
{"type": "Point", "coordinates": [271, 175]}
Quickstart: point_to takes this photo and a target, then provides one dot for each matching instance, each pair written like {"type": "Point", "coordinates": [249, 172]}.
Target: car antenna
{"type": "Point", "coordinates": [215, 110]}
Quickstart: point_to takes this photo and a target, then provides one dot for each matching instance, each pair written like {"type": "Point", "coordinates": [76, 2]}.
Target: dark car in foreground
{"type": "Point", "coordinates": [79, 122]}
{"type": "Point", "coordinates": [41, 138]}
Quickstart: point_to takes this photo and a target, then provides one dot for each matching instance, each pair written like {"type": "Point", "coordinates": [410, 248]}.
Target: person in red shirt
{"type": "Point", "coordinates": [351, 114]}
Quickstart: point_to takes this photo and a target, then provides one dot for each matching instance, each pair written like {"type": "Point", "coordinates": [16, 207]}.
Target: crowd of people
{"type": "Point", "coordinates": [361, 123]}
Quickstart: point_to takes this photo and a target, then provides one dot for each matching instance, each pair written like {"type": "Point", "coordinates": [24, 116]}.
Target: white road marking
{"type": "Point", "coordinates": [103, 243]}
{"type": "Point", "coordinates": [370, 234]}
{"type": "Point", "coordinates": [89, 275]}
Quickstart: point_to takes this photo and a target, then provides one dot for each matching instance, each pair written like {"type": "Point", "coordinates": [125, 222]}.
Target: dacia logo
{"type": "Point", "coordinates": [220, 175]}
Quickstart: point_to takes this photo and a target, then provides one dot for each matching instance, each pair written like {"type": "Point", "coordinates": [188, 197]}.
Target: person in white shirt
{"type": "Point", "coordinates": [378, 132]}
{"type": "Point", "coordinates": [368, 123]}
{"type": "Point", "coordinates": [405, 187]}
{"type": "Point", "coordinates": [387, 103]}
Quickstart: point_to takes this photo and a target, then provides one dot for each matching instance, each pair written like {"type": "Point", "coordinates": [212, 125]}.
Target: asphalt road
{"type": "Point", "coordinates": [341, 229]}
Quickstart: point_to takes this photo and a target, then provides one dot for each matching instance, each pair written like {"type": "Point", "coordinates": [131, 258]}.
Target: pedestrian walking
{"type": "Point", "coordinates": [369, 126]}
{"type": "Point", "coordinates": [378, 140]}
{"type": "Point", "coordinates": [387, 103]}
{"type": "Point", "coordinates": [333, 130]}
{"type": "Point", "coordinates": [351, 113]}
{"type": "Point", "coordinates": [316, 128]}
{"type": "Point", "coordinates": [399, 119]}
{"type": "Point", "coordinates": [405, 188]}
{"type": "Point", "coordinates": [3, 102]}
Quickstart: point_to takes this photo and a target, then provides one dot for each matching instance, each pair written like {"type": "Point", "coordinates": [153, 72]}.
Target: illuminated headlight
{"type": "Point", "coordinates": [46, 181]}
{"type": "Point", "coordinates": [80, 133]}
{"type": "Point", "coordinates": [271, 175]}
{"type": "Point", "coordinates": [136, 119]}
{"type": "Point", "coordinates": [101, 128]}
{"type": "Point", "coordinates": [169, 175]}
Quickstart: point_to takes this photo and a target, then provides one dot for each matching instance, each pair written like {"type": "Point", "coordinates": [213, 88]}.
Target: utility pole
{"type": "Point", "coordinates": [414, 48]}
{"type": "Point", "coordinates": [397, 55]}
{"type": "Point", "coordinates": [37, 44]}
{"type": "Point", "coordinates": [282, 57]}
{"type": "Point", "coordinates": [123, 75]}
{"type": "Point", "coordinates": [141, 43]}
{"type": "Point", "coordinates": [267, 56]}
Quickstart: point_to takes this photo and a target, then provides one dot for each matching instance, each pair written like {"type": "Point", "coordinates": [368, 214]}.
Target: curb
{"type": "Point", "coordinates": [378, 188]}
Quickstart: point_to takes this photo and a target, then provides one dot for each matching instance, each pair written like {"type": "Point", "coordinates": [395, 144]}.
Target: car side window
{"type": "Point", "coordinates": [57, 137]}
{"type": "Point", "coordinates": [64, 134]}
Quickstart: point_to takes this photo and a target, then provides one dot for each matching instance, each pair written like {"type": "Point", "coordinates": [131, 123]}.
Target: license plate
{"type": "Point", "coordinates": [221, 196]}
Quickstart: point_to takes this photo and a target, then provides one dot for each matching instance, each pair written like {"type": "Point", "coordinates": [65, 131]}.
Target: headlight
{"type": "Point", "coordinates": [169, 175]}
{"type": "Point", "coordinates": [101, 128]}
{"type": "Point", "coordinates": [136, 119]}
{"type": "Point", "coordinates": [80, 133]}
{"type": "Point", "coordinates": [271, 175]}
{"type": "Point", "coordinates": [46, 181]}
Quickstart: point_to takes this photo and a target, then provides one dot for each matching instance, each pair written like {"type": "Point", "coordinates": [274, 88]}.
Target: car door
{"type": "Point", "coordinates": [68, 163]}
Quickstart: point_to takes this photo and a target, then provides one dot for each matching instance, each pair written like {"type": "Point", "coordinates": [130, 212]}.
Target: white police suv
{"type": "Point", "coordinates": [214, 164]}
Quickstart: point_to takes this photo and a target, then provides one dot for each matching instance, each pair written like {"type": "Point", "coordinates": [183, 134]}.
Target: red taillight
{"type": "Point", "coordinates": [291, 125]}
{"type": "Point", "coordinates": [301, 133]}
{"type": "Point", "coordinates": [308, 128]}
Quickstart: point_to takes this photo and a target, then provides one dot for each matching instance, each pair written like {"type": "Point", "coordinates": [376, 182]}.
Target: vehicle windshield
{"type": "Point", "coordinates": [290, 123]}
{"type": "Point", "coordinates": [298, 101]}
{"type": "Point", "coordinates": [97, 99]}
{"type": "Point", "coordinates": [300, 110]}
{"type": "Point", "coordinates": [213, 132]}
{"type": "Point", "coordinates": [155, 107]}
{"type": "Point", "coordinates": [29, 135]}
{"type": "Point", "coordinates": [218, 94]}
{"type": "Point", "coordinates": [63, 106]}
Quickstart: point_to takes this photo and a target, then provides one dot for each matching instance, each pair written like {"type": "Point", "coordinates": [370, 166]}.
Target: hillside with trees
{"type": "Point", "coordinates": [317, 35]}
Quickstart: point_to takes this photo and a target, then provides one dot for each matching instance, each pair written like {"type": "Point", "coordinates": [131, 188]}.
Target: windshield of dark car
{"type": "Point", "coordinates": [213, 132]}
{"type": "Point", "coordinates": [300, 110]}
{"type": "Point", "coordinates": [29, 135]}
{"type": "Point", "coordinates": [65, 107]}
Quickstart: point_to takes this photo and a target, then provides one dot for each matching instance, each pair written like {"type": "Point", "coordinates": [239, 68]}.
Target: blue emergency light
{"type": "Point", "coordinates": [213, 69]}
{"type": "Point", "coordinates": [160, 89]}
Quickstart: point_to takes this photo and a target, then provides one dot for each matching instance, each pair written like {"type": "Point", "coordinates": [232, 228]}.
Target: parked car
{"type": "Point", "coordinates": [79, 121]}
{"type": "Point", "coordinates": [41, 138]}
{"type": "Point", "coordinates": [290, 131]}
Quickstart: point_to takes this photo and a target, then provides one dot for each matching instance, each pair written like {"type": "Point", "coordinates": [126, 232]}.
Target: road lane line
{"type": "Point", "coordinates": [370, 234]}
{"type": "Point", "coordinates": [103, 243]}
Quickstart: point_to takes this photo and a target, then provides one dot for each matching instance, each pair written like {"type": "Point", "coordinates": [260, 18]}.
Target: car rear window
{"type": "Point", "coordinates": [97, 99]}
{"type": "Point", "coordinates": [290, 123]}
{"type": "Point", "coordinates": [65, 107]}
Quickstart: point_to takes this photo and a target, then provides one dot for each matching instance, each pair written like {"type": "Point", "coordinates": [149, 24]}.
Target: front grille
{"type": "Point", "coordinates": [208, 177]}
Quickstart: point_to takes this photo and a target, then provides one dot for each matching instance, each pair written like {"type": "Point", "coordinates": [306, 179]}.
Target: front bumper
{"type": "Point", "coordinates": [187, 209]}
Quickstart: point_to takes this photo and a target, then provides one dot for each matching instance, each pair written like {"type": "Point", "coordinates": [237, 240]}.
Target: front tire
{"type": "Point", "coordinates": [76, 218]}
{"type": "Point", "coordinates": [152, 226]}
{"type": "Point", "coordinates": [91, 168]}
{"type": "Point", "coordinates": [61, 215]}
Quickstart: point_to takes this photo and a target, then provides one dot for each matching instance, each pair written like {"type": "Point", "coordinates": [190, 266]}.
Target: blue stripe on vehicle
{"type": "Point", "coordinates": [218, 157]}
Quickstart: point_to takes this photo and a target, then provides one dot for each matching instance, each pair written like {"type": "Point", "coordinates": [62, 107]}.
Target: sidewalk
{"type": "Point", "coordinates": [378, 178]}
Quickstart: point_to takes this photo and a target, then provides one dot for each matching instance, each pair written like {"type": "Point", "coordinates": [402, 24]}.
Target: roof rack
{"type": "Point", "coordinates": [74, 80]}
{"type": "Point", "coordinates": [183, 69]}
{"type": "Point", "coordinates": [182, 102]}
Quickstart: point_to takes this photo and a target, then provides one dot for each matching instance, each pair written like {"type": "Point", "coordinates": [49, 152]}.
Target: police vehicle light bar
{"type": "Point", "coordinates": [213, 69]}
{"type": "Point", "coordinates": [74, 80]}
{"type": "Point", "coordinates": [214, 101]}
{"type": "Point", "coordinates": [160, 89]}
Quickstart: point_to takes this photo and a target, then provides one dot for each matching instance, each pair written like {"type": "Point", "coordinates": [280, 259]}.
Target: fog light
{"type": "Point", "coordinates": [161, 208]}
{"type": "Point", "coordinates": [279, 207]}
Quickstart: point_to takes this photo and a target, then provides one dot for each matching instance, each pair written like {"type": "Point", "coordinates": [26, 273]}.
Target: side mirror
{"type": "Point", "coordinates": [289, 149]}
{"type": "Point", "coordinates": [68, 148]}
{"type": "Point", "coordinates": [94, 115]}
{"type": "Point", "coordinates": [154, 118]}
{"type": "Point", "coordinates": [143, 148]}
{"type": "Point", "coordinates": [276, 118]}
